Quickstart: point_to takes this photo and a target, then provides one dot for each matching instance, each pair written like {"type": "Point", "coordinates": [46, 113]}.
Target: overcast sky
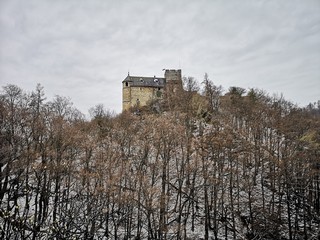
{"type": "Point", "coordinates": [84, 49]}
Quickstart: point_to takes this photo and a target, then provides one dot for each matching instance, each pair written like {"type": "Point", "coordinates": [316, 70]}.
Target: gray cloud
{"type": "Point", "coordinates": [83, 49]}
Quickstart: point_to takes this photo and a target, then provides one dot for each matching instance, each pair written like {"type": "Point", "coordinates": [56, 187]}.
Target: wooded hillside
{"type": "Point", "coordinates": [200, 166]}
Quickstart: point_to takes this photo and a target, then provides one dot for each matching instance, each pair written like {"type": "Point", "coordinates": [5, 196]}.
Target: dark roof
{"type": "Point", "coordinates": [145, 81]}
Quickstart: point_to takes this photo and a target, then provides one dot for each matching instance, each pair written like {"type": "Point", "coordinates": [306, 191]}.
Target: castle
{"type": "Point", "coordinates": [139, 91]}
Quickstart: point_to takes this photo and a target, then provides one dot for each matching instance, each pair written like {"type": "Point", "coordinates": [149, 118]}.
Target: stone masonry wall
{"type": "Point", "coordinates": [139, 96]}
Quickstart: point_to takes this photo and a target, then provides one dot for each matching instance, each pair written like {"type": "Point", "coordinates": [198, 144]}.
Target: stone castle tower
{"type": "Point", "coordinates": [139, 91]}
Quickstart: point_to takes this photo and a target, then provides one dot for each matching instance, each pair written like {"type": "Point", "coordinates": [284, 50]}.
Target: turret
{"type": "Point", "coordinates": [173, 79]}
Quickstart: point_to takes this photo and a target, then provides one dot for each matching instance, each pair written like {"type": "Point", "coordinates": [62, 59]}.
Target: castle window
{"type": "Point", "coordinates": [158, 88]}
{"type": "Point", "coordinates": [126, 84]}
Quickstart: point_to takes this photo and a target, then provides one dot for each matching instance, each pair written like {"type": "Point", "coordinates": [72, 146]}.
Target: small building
{"type": "Point", "coordinates": [139, 91]}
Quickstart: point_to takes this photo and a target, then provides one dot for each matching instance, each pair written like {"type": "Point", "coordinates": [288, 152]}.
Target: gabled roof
{"type": "Point", "coordinates": [145, 81]}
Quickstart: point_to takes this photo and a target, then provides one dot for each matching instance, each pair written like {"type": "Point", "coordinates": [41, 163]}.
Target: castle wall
{"type": "Point", "coordinates": [139, 96]}
{"type": "Point", "coordinates": [126, 98]}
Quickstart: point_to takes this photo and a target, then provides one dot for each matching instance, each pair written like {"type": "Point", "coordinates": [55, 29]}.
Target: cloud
{"type": "Point", "coordinates": [84, 49]}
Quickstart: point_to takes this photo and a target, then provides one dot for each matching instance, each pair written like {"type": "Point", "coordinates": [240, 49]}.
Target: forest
{"type": "Point", "coordinates": [198, 165]}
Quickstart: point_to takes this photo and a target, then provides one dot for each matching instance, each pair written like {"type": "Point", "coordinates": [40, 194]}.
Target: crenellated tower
{"type": "Point", "coordinates": [173, 80]}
